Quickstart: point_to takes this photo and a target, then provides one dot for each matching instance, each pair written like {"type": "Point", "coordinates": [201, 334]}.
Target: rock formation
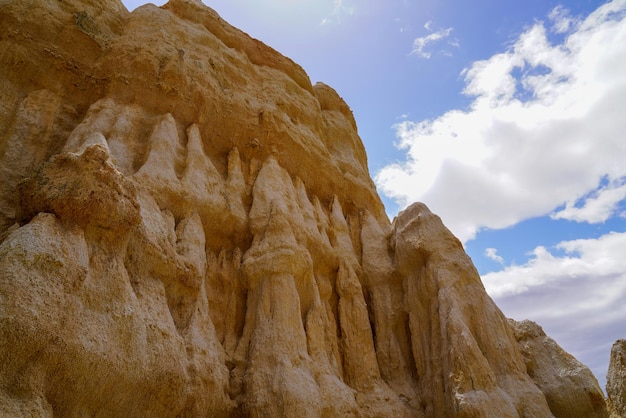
{"type": "Point", "coordinates": [188, 228]}
{"type": "Point", "coordinates": [616, 380]}
{"type": "Point", "coordinates": [566, 383]}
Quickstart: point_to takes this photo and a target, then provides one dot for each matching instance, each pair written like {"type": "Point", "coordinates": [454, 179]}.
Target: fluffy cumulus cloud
{"type": "Point", "coordinates": [575, 290]}
{"type": "Point", "coordinates": [544, 132]}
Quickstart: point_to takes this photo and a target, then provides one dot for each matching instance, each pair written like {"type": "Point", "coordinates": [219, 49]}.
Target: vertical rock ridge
{"type": "Point", "coordinates": [616, 380]}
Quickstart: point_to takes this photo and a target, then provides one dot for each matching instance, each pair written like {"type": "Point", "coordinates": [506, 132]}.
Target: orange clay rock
{"type": "Point", "coordinates": [188, 228]}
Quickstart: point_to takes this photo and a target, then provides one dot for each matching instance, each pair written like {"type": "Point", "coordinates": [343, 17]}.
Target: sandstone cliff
{"type": "Point", "coordinates": [188, 228]}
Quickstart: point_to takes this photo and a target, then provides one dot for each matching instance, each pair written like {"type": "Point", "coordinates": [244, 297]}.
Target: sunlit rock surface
{"type": "Point", "coordinates": [188, 228]}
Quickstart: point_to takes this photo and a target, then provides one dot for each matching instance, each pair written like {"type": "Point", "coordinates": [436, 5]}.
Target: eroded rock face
{"type": "Point", "coordinates": [569, 387]}
{"type": "Point", "coordinates": [616, 380]}
{"type": "Point", "coordinates": [188, 228]}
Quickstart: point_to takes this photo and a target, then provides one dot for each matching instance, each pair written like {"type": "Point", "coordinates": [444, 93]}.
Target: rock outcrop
{"type": "Point", "coordinates": [188, 228]}
{"type": "Point", "coordinates": [616, 380]}
{"type": "Point", "coordinates": [569, 386]}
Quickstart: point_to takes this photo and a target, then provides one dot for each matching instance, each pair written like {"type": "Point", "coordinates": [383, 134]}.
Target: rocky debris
{"type": "Point", "coordinates": [616, 380]}
{"type": "Point", "coordinates": [188, 228]}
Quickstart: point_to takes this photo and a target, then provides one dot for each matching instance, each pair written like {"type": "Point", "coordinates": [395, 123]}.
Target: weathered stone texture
{"type": "Point", "coordinates": [616, 380]}
{"type": "Point", "coordinates": [188, 228]}
{"type": "Point", "coordinates": [569, 386]}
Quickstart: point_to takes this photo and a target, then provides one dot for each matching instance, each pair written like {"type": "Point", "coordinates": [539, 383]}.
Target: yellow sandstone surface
{"type": "Point", "coordinates": [188, 228]}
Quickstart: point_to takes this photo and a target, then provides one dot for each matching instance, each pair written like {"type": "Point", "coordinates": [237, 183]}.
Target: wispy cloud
{"type": "Point", "coordinates": [341, 8]}
{"type": "Point", "coordinates": [545, 127]}
{"type": "Point", "coordinates": [420, 44]}
{"type": "Point", "coordinates": [492, 254]}
{"type": "Point", "coordinates": [562, 20]}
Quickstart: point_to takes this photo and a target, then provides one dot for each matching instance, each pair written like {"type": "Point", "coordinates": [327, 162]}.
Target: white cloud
{"type": "Point", "coordinates": [590, 259]}
{"type": "Point", "coordinates": [492, 254]}
{"type": "Point", "coordinates": [561, 19]}
{"type": "Point", "coordinates": [598, 207]}
{"type": "Point", "coordinates": [577, 296]}
{"type": "Point", "coordinates": [545, 127]}
{"type": "Point", "coordinates": [420, 44]}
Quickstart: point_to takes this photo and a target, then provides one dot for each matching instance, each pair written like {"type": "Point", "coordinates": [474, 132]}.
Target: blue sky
{"type": "Point", "coordinates": [506, 118]}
